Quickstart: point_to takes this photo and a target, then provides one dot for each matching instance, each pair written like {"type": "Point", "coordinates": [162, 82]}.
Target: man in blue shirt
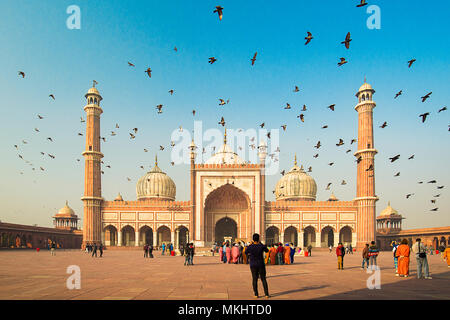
{"type": "Point", "coordinates": [255, 252]}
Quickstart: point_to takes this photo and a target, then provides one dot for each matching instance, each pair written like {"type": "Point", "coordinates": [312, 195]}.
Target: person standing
{"type": "Point", "coordinates": [350, 248]}
{"type": "Point", "coordinates": [171, 248]}
{"type": "Point", "coordinates": [365, 256]}
{"type": "Point", "coordinates": [331, 248]}
{"type": "Point", "coordinates": [146, 250]}
{"type": "Point", "coordinates": [191, 253]}
{"type": "Point", "coordinates": [402, 253]}
{"type": "Point", "coordinates": [394, 250]}
{"type": "Point", "coordinates": [255, 253]}
{"type": "Point", "coordinates": [234, 253]}
{"type": "Point", "coordinates": [241, 251]}
{"type": "Point", "coordinates": [373, 254]}
{"type": "Point", "coordinates": [228, 252]}
{"type": "Point", "coordinates": [292, 253]}
{"type": "Point", "coordinates": [213, 249]}
{"type": "Point", "coordinates": [163, 248]}
{"type": "Point", "coordinates": [309, 250]}
{"type": "Point", "coordinates": [150, 251]}
{"type": "Point", "coordinates": [187, 255]}
{"type": "Point", "coordinates": [421, 257]}
{"type": "Point", "coordinates": [182, 250]}
{"type": "Point", "coordinates": [100, 248]}
{"type": "Point", "coordinates": [273, 255]}
{"type": "Point", "coordinates": [94, 250]}
{"type": "Point", "coordinates": [447, 255]}
{"type": "Point", "coordinates": [340, 253]}
{"type": "Point", "coordinates": [53, 248]}
{"type": "Point", "coordinates": [280, 254]}
{"type": "Point", "coordinates": [287, 254]}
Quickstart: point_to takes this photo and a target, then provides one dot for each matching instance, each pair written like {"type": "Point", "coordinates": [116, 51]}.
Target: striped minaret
{"type": "Point", "coordinates": [92, 222]}
{"type": "Point", "coordinates": [365, 181]}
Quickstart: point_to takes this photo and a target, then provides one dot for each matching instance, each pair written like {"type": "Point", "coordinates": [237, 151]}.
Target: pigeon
{"type": "Point", "coordinates": [113, 133]}
{"type": "Point", "coordinates": [325, 126]}
{"type": "Point", "coordinates": [435, 209]}
{"type": "Point", "coordinates": [254, 58]}
{"type": "Point", "coordinates": [349, 150]}
{"type": "Point", "coordinates": [443, 109]}
{"type": "Point", "coordinates": [51, 156]}
{"type": "Point", "coordinates": [432, 181]}
{"type": "Point", "coordinates": [262, 125]}
{"type": "Point", "coordinates": [410, 62]}
{"type": "Point", "coordinates": [175, 49]}
{"type": "Point", "coordinates": [328, 186]}
{"type": "Point", "coordinates": [219, 11]}
{"type": "Point", "coordinates": [343, 61]}
{"type": "Point", "coordinates": [52, 96]}
{"type": "Point", "coordinates": [82, 120]}
{"type": "Point", "coordinates": [193, 112]}
{"type": "Point", "coordinates": [302, 117]}
{"type": "Point", "coordinates": [222, 102]}
{"type": "Point", "coordinates": [425, 97]}
{"type": "Point", "coordinates": [288, 106]}
{"type": "Point", "coordinates": [24, 142]}
{"type": "Point", "coordinates": [316, 155]}
{"type": "Point", "coordinates": [397, 174]}
{"type": "Point", "coordinates": [161, 148]}
{"type": "Point", "coordinates": [21, 73]}
{"type": "Point", "coordinates": [309, 169]}
{"type": "Point", "coordinates": [80, 134]}
{"type": "Point", "coordinates": [331, 107]}
{"type": "Point", "coordinates": [284, 127]}
{"type": "Point", "coordinates": [437, 196]}
{"type": "Point", "coordinates": [132, 136]}
{"type": "Point", "coordinates": [343, 183]}
{"type": "Point", "coordinates": [171, 91]}
{"type": "Point", "coordinates": [130, 64]}
{"type": "Point", "coordinates": [135, 130]}
{"type": "Point", "coordinates": [353, 140]}
{"type": "Point", "coordinates": [148, 72]}
{"type": "Point", "coordinates": [370, 168]}
{"type": "Point", "coordinates": [362, 3]}
{"type": "Point", "coordinates": [331, 163]}
{"type": "Point", "coordinates": [117, 126]}
{"type": "Point", "coordinates": [394, 158]}
{"type": "Point", "coordinates": [128, 179]}
{"type": "Point", "coordinates": [50, 139]}
{"type": "Point", "coordinates": [440, 187]}
{"type": "Point", "coordinates": [283, 172]}
{"type": "Point", "coordinates": [409, 195]}
{"type": "Point", "coordinates": [412, 157]}
{"type": "Point", "coordinates": [340, 143]}
{"type": "Point", "coordinates": [159, 107]}
{"type": "Point", "coordinates": [347, 40]}
{"type": "Point", "coordinates": [212, 60]}
{"type": "Point", "coordinates": [384, 125]}
{"type": "Point", "coordinates": [308, 38]}
{"type": "Point", "coordinates": [222, 122]}
{"type": "Point", "coordinates": [145, 150]}
{"type": "Point", "coordinates": [36, 129]}
{"type": "Point", "coordinates": [40, 117]}
{"type": "Point", "coordinates": [317, 146]}
{"type": "Point", "coordinates": [398, 94]}
{"type": "Point", "coordinates": [424, 116]}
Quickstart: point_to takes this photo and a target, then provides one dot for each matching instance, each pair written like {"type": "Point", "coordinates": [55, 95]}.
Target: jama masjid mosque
{"type": "Point", "coordinates": [228, 198]}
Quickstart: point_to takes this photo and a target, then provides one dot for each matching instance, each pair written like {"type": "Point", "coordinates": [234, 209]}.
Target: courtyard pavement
{"type": "Point", "coordinates": [123, 274]}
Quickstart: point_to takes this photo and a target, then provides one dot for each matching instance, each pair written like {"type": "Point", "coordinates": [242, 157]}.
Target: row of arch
{"type": "Point", "coordinates": [28, 240]}
{"type": "Point", "coordinates": [365, 97]}
{"type": "Point", "coordinates": [327, 236]}
{"type": "Point", "coordinates": [146, 235]}
{"type": "Point", "coordinates": [93, 101]}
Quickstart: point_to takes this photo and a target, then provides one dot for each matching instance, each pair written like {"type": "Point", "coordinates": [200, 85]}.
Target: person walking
{"type": "Point", "coordinates": [94, 250]}
{"type": "Point", "coordinates": [100, 248]}
{"type": "Point", "coordinates": [150, 251]}
{"type": "Point", "coordinates": [373, 254]}
{"type": "Point", "coordinates": [255, 253]}
{"type": "Point", "coordinates": [191, 253]}
{"type": "Point", "coordinates": [350, 248]}
{"type": "Point", "coordinates": [171, 249]}
{"type": "Point", "coordinates": [421, 258]}
{"type": "Point", "coordinates": [447, 255]}
{"type": "Point", "coordinates": [340, 253]}
{"type": "Point", "coordinates": [187, 255]}
{"type": "Point", "coordinates": [365, 256]}
{"type": "Point", "coordinates": [402, 253]}
{"type": "Point", "coordinates": [234, 253]}
{"type": "Point", "coordinates": [53, 248]}
{"type": "Point", "coordinates": [309, 250]}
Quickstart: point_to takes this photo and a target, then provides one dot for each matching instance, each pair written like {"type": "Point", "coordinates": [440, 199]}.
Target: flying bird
{"type": "Point", "coordinates": [412, 157]}
{"type": "Point", "coordinates": [328, 186]}
{"type": "Point", "coordinates": [343, 61]}
{"type": "Point", "coordinates": [82, 120]}
{"type": "Point", "coordinates": [331, 107]}
{"type": "Point", "coordinates": [425, 97]}
{"type": "Point", "coordinates": [394, 158]}
{"type": "Point", "coordinates": [397, 174]}
{"type": "Point", "coordinates": [308, 38]}
{"type": "Point", "coordinates": [347, 40]}
{"type": "Point", "coordinates": [175, 49]}
{"type": "Point", "coordinates": [159, 107]}
{"type": "Point", "coordinates": [36, 129]}
{"type": "Point", "coordinates": [288, 106]}
{"type": "Point", "coordinates": [432, 181]}
{"type": "Point", "coordinates": [370, 168]}
{"type": "Point", "coordinates": [50, 139]}
{"type": "Point", "coordinates": [171, 91]}
{"type": "Point", "coordinates": [222, 102]}
{"type": "Point", "coordinates": [222, 122]}
{"type": "Point", "coordinates": [132, 136]}
{"type": "Point", "coordinates": [384, 125]}
{"type": "Point", "coordinates": [440, 187]}
{"type": "Point", "coordinates": [325, 126]}
{"type": "Point", "coordinates": [130, 64]}
{"type": "Point", "coordinates": [424, 116]}
{"type": "Point", "coordinates": [193, 112]}
{"type": "Point", "coordinates": [149, 72]}
{"type": "Point", "coordinates": [409, 195]}
{"type": "Point", "coordinates": [219, 11]}
{"type": "Point", "coordinates": [212, 60]}
{"type": "Point", "coordinates": [316, 155]}
{"type": "Point", "coordinates": [317, 146]}
{"type": "Point", "coordinates": [52, 96]}
{"type": "Point", "coordinates": [410, 62]}
{"type": "Point", "coordinates": [443, 109]}
{"type": "Point", "coordinates": [161, 148]}
{"type": "Point", "coordinates": [353, 140]}
{"type": "Point", "coordinates": [40, 117]}
{"type": "Point", "coordinates": [398, 94]}
{"type": "Point", "coordinates": [254, 58]}
{"type": "Point", "coordinates": [435, 209]}
{"type": "Point", "coordinates": [302, 117]}
{"type": "Point", "coordinates": [284, 127]}
{"type": "Point", "coordinates": [362, 3]}
{"type": "Point", "coordinates": [343, 183]}
{"type": "Point", "coordinates": [21, 73]}
{"type": "Point", "coordinates": [262, 125]}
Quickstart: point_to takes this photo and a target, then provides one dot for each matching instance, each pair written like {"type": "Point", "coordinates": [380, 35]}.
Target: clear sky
{"type": "Point", "coordinates": [36, 40]}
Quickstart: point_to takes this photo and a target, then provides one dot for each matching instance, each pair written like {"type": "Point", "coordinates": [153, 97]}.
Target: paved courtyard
{"type": "Point", "coordinates": [123, 274]}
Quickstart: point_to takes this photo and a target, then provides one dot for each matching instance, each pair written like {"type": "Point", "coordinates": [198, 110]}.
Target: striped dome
{"type": "Point", "coordinates": [156, 185]}
{"type": "Point", "coordinates": [296, 185]}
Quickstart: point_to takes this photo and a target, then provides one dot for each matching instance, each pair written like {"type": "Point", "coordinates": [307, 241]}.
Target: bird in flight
{"type": "Point", "coordinates": [316, 155]}
{"type": "Point", "coordinates": [254, 58]}
{"type": "Point", "coordinates": [161, 148]}
{"type": "Point", "coordinates": [284, 127]}
{"type": "Point", "coordinates": [370, 168]}
{"type": "Point", "coordinates": [193, 112]}
{"type": "Point", "coordinates": [219, 11]}
{"type": "Point", "coordinates": [171, 91]}
{"type": "Point", "coordinates": [328, 186]}
{"type": "Point", "coordinates": [362, 3]}
{"type": "Point", "coordinates": [149, 72]}
{"type": "Point", "coordinates": [132, 136]}
{"type": "Point", "coordinates": [331, 107]}
{"type": "Point", "coordinates": [212, 60]}
{"type": "Point", "coordinates": [21, 73]}
{"type": "Point", "coordinates": [296, 89]}
{"type": "Point", "coordinates": [443, 109]}
{"type": "Point", "coordinates": [425, 97]}
{"type": "Point", "coordinates": [222, 122]}
{"type": "Point", "coordinates": [52, 96]}
{"type": "Point", "coordinates": [82, 120]}
{"type": "Point", "coordinates": [308, 38]}
{"type": "Point", "coordinates": [36, 129]}
{"type": "Point", "coordinates": [50, 139]}
{"type": "Point", "coordinates": [412, 157]}
{"type": "Point", "coordinates": [410, 62]}
{"type": "Point", "coordinates": [424, 116]}
{"type": "Point", "coordinates": [317, 146]}
{"type": "Point", "coordinates": [159, 107]}
{"type": "Point", "coordinates": [435, 209]}
{"type": "Point", "coordinates": [409, 195]}
{"type": "Point", "coordinates": [40, 117]}
{"type": "Point", "coordinates": [432, 181]}
{"type": "Point", "coordinates": [175, 49]}
{"type": "Point", "coordinates": [347, 40]}
{"type": "Point", "coordinates": [343, 61]}
{"type": "Point", "coordinates": [262, 125]}
{"type": "Point", "coordinates": [397, 174]}
{"type": "Point", "coordinates": [222, 102]}
{"type": "Point", "coordinates": [302, 117]}
{"type": "Point", "coordinates": [398, 94]}
{"type": "Point", "coordinates": [325, 126]}
{"type": "Point", "coordinates": [384, 125]}
{"type": "Point", "coordinates": [343, 183]}
{"type": "Point", "coordinates": [394, 158]}
{"type": "Point", "coordinates": [288, 106]}
{"type": "Point", "coordinates": [353, 140]}
{"type": "Point", "coordinates": [340, 143]}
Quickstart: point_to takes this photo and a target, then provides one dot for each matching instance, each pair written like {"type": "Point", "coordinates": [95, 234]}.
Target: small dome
{"type": "Point", "coordinates": [388, 211]}
{"type": "Point", "coordinates": [296, 185]}
{"type": "Point", "coordinates": [156, 185]}
{"type": "Point", "coordinates": [66, 211]}
{"type": "Point", "coordinates": [119, 197]}
{"type": "Point", "coordinates": [365, 86]}
{"type": "Point", "coordinates": [333, 198]}
{"type": "Point", "coordinates": [93, 90]}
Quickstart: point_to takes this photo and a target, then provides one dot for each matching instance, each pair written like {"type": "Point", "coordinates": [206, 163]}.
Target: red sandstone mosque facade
{"type": "Point", "coordinates": [227, 198]}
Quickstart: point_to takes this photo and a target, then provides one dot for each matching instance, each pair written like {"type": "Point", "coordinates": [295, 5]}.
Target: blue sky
{"type": "Point", "coordinates": [56, 60]}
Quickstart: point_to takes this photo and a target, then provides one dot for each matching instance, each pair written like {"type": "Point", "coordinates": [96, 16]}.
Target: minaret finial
{"type": "Point", "coordinates": [156, 160]}
{"type": "Point", "coordinates": [67, 203]}
{"type": "Point", "coordinates": [295, 160]}
{"type": "Point", "coordinates": [225, 137]}
{"type": "Point", "coordinates": [94, 83]}
{"type": "Point", "coordinates": [364, 79]}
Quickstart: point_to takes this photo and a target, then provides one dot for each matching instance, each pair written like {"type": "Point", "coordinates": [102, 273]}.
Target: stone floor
{"type": "Point", "coordinates": [127, 275]}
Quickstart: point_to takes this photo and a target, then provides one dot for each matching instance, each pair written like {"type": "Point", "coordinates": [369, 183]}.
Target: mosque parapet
{"type": "Point", "coordinates": [227, 166]}
{"type": "Point", "coordinates": [283, 204]}
{"type": "Point", "coordinates": [158, 203]}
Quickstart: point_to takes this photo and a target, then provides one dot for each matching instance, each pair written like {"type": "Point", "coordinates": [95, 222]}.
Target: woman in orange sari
{"type": "Point", "coordinates": [403, 258]}
{"type": "Point", "coordinates": [273, 254]}
{"type": "Point", "coordinates": [287, 254]}
{"type": "Point", "coordinates": [244, 255]}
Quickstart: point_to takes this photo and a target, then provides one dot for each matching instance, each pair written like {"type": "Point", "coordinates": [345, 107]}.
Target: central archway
{"type": "Point", "coordinates": [225, 228]}
{"type": "Point", "coordinates": [227, 204]}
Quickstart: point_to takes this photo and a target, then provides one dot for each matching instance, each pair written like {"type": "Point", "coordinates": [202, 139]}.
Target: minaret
{"type": "Point", "coordinates": [365, 180]}
{"type": "Point", "coordinates": [192, 149]}
{"type": "Point", "coordinates": [92, 222]}
{"type": "Point", "coordinates": [262, 154]}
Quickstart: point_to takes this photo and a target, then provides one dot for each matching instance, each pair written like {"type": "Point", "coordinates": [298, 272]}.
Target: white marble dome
{"type": "Point", "coordinates": [296, 185]}
{"type": "Point", "coordinates": [225, 156]}
{"type": "Point", "coordinates": [155, 184]}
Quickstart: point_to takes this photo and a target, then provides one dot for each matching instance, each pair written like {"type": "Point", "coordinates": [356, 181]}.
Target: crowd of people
{"type": "Point", "coordinates": [92, 248]}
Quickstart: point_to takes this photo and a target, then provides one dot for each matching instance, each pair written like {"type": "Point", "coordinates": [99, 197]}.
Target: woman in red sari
{"type": "Point", "coordinates": [403, 258]}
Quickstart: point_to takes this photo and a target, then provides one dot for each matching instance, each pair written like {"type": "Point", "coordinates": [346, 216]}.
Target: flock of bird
{"type": "Point", "coordinates": [222, 102]}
